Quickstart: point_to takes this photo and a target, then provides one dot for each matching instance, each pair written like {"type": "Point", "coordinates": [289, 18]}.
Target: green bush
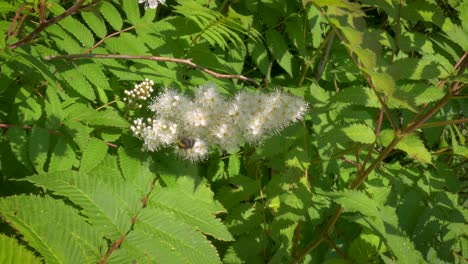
{"type": "Point", "coordinates": [375, 173]}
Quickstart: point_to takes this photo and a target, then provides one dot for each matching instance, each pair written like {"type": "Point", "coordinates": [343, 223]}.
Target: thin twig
{"type": "Point", "coordinates": [444, 123]}
{"type": "Point", "coordinates": [306, 150]}
{"type": "Point", "coordinates": [385, 108]}
{"type": "Point", "coordinates": [107, 37]}
{"type": "Point", "coordinates": [397, 32]}
{"type": "Point", "coordinates": [106, 105]}
{"type": "Point", "coordinates": [358, 161]}
{"type": "Point", "coordinates": [152, 58]}
{"type": "Point", "coordinates": [335, 247]}
{"type": "Point", "coordinates": [20, 25]}
{"type": "Point", "coordinates": [266, 79]}
{"type": "Point", "coordinates": [50, 131]}
{"type": "Point", "coordinates": [348, 161]}
{"type": "Point", "coordinates": [377, 133]}
{"type": "Point", "coordinates": [12, 25]}
{"type": "Point", "coordinates": [133, 220]}
{"type": "Point", "coordinates": [316, 53]}
{"type": "Point", "coordinates": [42, 11]}
{"type": "Point", "coordinates": [324, 59]}
{"type": "Point", "coordinates": [296, 238]}
{"type": "Point", "coordinates": [319, 240]}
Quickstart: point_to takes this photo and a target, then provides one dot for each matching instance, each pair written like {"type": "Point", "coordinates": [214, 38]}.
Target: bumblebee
{"type": "Point", "coordinates": [186, 143]}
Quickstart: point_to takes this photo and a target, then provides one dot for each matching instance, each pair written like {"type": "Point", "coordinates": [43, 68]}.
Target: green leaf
{"type": "Point", "coordinates": [396, 240]}
{"type": "Point", "coordinates": [458, 149]}
{"type": "Point", "coordinates": [415, 148]}
{"type": "Point", "coordinates": [108, 117]}
{"type": "Point", "coordinates": [13, 252]}
{"type": "Point", "coordinates": [383, 83]}
{"type": "Point", "coordinates": [6, 7]}
{"type": "Point", "coordinates": [53, 108]}
{"type": "Point", "coordinates": [413, 94]}
{"type": "Point", "coordinates": [95, 23]}
{"type": "Point", "coordinates": [74, 27]}
{"type": "Point", "coordinates": [295, 29]}
{"type": "Point", "coordinates": [29, 110]}
{"type": "Point", "coordinates": [111, 14]}
{"type": "Point", "coordinates": [127, 43]}
{"type": "Point", "coordinates": [456, 34]}
{"type": "Point", "coordinates": [93, 154]}
{"type": "Point", "coordinates": [132, 11]}
{"type": "Point", "coordinates": [185, 207]}
{"type": "Point", "coordinates": [93, 72]}
{"type": "Point", "coordinates": [355, 201]}
{"type": "Point", "coordinates": [411, 144]}
{"type": "Point", "coordinates": [107, 206]}
{"type": "Point", "coordinates": [427, 67]}
{"type": "Point", "coordinates": [428, 95]}
{"type": "Point", "coordinates": [164, 238]}
{"type": "Point", "coordinates": [357, 96]}
{"type": "Point", "coordinates": [18, 141]}
{"type": "Point", "coordinates": [60, 234]}
{"type": "Point", "coordinates": [234, 165]}
{"type": "Point", "coordinates": [62, 157]}
{"type": "Point", "coordinates": [280, 50]}
{"type": "Point", "coordinates": [39, 148]}
{"type": "Point", "coordinates": [337, 261]}
{"type": "Point", "coordinates": [78, 83]}
{"type": "Point", "coordinates": [216, 28]}
{"type": "Point", "coordinates": [415, 42]}
{"type": "Point", "coordinates": [359, 133]}
{"type": "Point", "coordinates": [366, 248]}
{"type": "Point", "coordinates": [63, 40]}
{"type": "Point", "coordinates": [260, 57]}
{"type": "Point", "coordinates": [79, 132]}
{"type": "Point", "coordinates": [315, 20]}
{"type": "Point", "coordinates": [247, 249]}
{"type": "Point", "coordinates": [423, 10]}
{"type": "Point", "coordinates": [353, 27]}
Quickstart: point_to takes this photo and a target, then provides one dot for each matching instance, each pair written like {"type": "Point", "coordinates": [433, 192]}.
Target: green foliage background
{"type": "Point", "coordinates": [375, 174]}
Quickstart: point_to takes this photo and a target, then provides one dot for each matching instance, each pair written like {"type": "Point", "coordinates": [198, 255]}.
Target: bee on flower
{"type": "Point", "coordinates": [208, 121]}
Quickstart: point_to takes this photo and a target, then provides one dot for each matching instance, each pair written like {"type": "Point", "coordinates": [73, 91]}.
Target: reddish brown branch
{"type": "Point", "coordinates": [187, 62]}
{"type": "Point", "coordinates": [335, 247]}
{"type": "Point", "coordinates": [358, 161]}
{"type": "Point", "coordinates": [20, 24]}
{"type": "Point", "coordinates": [385, 108]}
{"type": "Point", "coordinates": [377, 133]}
{"type": "Point", "coordinates": [296, 238]}
{"type": "Point", "coordinates": [15, 18]}
{"type": "Point", "coordinates": [50, 131]}
{"type": "Point", "coordinates": [133, 220]}
{"type": "Point", "coordinates": [44, 24]}
{"type": "Point", "coordinates": [42, 11]}
{"type": "Point", "coordinates": [441, 83]}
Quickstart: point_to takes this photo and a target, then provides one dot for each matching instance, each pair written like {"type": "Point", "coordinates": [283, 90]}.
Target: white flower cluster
{"type": "Point", "coordinates": [208, 120]}
{"type": "Point", "coordinates": [141, 91]}
{"type": "Point", "coordinates": [152, 4]}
